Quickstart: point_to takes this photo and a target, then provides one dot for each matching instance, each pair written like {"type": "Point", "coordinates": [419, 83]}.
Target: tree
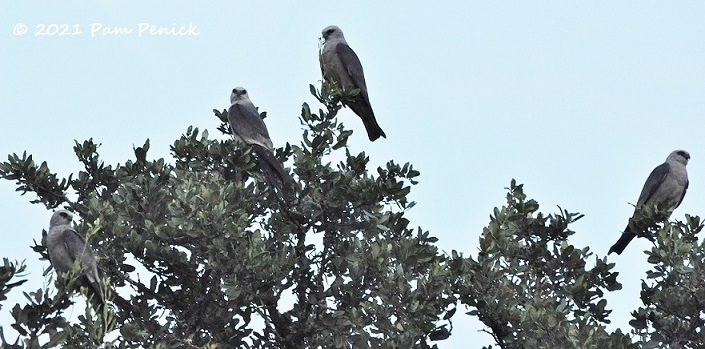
{"type": "Point", "coordinates": [218, 251]}
{"type": "Point", "coordinates": [531, 288]}
{"type": "Point", "coordinates": [210, 256]}
{"type": "Point", "coordinates": [673, 314]}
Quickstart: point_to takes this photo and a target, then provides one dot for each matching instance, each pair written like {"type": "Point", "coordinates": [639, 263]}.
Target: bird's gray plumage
{"type": "Point", "coordinates": [65, 246]}
{"type": "Point", "coordinates": [341, 65]}
{"type": "Point", "coordinates": [248, 127]}
{"type": "Point", "coordinates": [665, 188]}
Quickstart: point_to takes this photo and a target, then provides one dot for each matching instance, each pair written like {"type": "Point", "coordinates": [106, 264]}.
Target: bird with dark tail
{"type": "Point", "coordinates": [248, 127]}
{"type": "Point", "coordinates": [341, 66]}
{"type": "Point", "coordinates": [65, 246]}
{"type": "Point", "coordinates": [665, 188]}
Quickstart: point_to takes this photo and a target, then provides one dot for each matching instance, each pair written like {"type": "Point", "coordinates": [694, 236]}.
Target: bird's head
{"type": "Point", "coordinates": [332, 32]}
{"type": "Point", "coordinates": [61, 217]}
{"type": "Point", "coordinates": [239, 94]}
{"type": "Point", "coordinates": [681, 156]}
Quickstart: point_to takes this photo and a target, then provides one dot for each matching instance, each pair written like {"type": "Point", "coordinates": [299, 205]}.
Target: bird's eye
{"type": "Point", "coordinates": [235, 90]}
{"type": "Point", "coordinates": [63, 214]}
{"type": "Point", "coordinates": [244, 92]}
{"type": "Point", "coordinates": [330, 31]}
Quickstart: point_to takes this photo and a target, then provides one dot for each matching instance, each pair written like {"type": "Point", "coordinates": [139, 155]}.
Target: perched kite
{"type": "Point", "coordinates": [664, 188]}
{"type": "Point", "coordinates": [249, 128]}
{"type": "Point", "coordinates": [341, 65]}
{"type": "Point", "coordinates": [65, 246]}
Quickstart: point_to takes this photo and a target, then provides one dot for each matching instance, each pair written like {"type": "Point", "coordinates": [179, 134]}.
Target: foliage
{"type": "Point", "coordinates": [210, 256]}
{"type": "Point", "coordinates": [531, 288]}
{"type": "Point", "coordinates": [208, 252]}
{"type": "Point", "coordinates": [673, 314]}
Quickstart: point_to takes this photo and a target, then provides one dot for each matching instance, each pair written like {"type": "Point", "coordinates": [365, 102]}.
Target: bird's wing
{"type": "Point", "coordinates": [353, 67]}
{"type": "Point", "coordinates": [73, 243]}
{"type": "Point", "coordinates": [246, 122]}
{"type": "Point", "coordinates": [653, 182]}
{"type": "Point", "coordinates": [682, 194]}
{"type": "Point", "coordinates": [76, 246]}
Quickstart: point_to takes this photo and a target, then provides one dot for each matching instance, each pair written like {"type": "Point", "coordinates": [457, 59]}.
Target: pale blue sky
{"type": "Point", "coordinates": [577, 100]}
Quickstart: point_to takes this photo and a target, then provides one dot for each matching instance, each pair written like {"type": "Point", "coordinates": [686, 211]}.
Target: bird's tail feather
{"type": "Point", "coordinates": [98, 299]}
{"type": "Point", "coordinates": [272, 169]}
{"type": "Point", "coordinates": [623, 241]}
{"type": "Point", "coordinates": [364, 111]}
{"type": "Point", "coordinates": [94, 287]}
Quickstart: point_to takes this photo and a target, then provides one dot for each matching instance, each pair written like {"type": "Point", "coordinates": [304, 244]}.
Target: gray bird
{"type": "Point", "coordinates": [665, 188]}
{"type": "Point", "coordinates": [65, 246]}
{"type": "Point", "coordinates": [248, 127]}
{"type": "Point", "coordinates": [341, 65]}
